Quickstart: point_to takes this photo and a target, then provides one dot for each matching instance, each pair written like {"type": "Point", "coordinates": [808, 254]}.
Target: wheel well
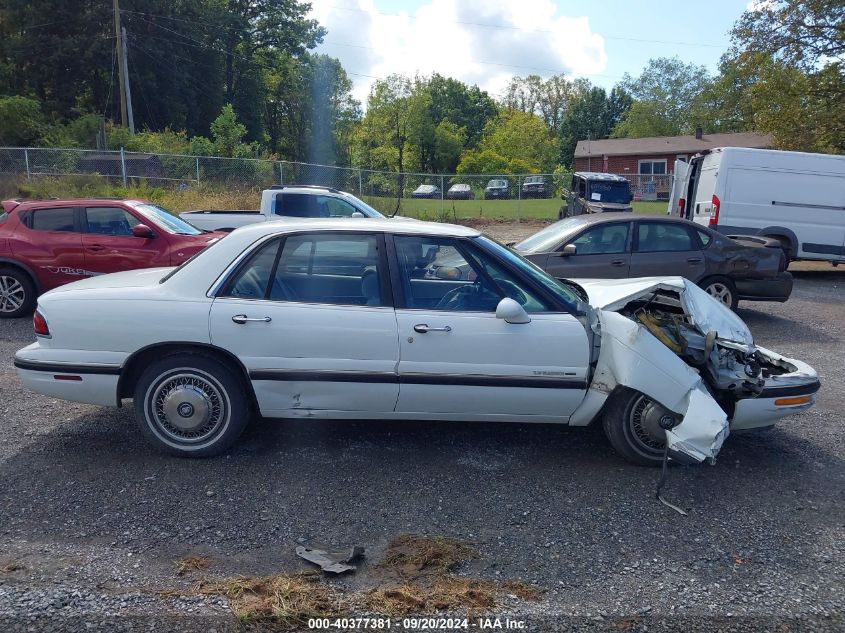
{"type": "Point", "coordinates": [5, 263]}
{"type": "Point", "coordinates": [135, 364]}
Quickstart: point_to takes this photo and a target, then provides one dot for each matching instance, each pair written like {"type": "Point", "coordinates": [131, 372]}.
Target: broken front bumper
{"type": "Point", "coordinates": [783, 395]}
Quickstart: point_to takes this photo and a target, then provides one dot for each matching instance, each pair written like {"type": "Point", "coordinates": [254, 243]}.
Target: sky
{"type": "Point", "coordinates": [486, 42]}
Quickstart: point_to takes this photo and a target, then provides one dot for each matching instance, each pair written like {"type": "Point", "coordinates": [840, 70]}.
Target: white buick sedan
{"type": "Point", "coordinates": [373, 319]}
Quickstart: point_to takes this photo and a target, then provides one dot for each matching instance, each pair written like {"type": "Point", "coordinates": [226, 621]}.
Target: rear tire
{"type": "Point", "coordinates": [722, 289]}
{"type": "Point", "coordinates": [17, 293]}
{"type": "Point", "coordinates": [191, 405]}
{"type": "Point", "coordinates": [631, 424]}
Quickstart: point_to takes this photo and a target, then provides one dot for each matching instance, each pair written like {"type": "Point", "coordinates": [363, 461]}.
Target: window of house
{"type": "Point", "coordinates": [652, 167]}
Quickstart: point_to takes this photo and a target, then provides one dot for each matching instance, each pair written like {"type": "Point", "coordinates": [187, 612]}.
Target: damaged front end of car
{"type": "Point", "coordinates": [669, 340]}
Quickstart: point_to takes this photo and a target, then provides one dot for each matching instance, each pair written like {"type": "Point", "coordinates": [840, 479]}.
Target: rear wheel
{"type": "Point", "coordinates": [17, 293]}
{"type": "Point", "coordinates": [191, 405]}
{"type": "Point", "coordinates": [722, 289]}
{"type": "Point", "coordinates": [631, 422]}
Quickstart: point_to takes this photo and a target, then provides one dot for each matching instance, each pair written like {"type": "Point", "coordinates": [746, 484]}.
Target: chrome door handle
{"type": "Point", "coordinates": [242, 318]}
{"type": "Point", "coordinates": [422, 328]}
{"type": "Point", "coordinates": [617, 262]}
{"type": "Point", "coordinates": [694, 260]}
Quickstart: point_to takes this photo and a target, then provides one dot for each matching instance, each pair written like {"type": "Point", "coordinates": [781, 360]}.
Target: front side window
{"type": "Point", "coordinates": [440, 274]}
{"type": "Point", "coordinates": [341, 269]}
{"type": "Point", "coordinates": [55, 219]}
{"type": "Point", "coordinates": [605, 239]}
{"type": "Point", "coordinates": [110, 221]}
{"type": "Point", "coordinates": [663, 237]}
{"type": "Point", "coordinates": [336, 207]}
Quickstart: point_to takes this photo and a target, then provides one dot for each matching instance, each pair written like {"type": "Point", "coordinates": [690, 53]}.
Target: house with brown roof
{"type": "Point", "coordinates": [653, 158]}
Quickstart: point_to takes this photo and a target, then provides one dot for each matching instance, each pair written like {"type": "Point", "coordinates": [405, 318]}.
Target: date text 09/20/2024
{"type": "Point", "coordinates": [417, 624]}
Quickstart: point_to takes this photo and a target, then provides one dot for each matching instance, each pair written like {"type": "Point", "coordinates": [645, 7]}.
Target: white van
{"type": "Point", "coordinates": [794, 197]}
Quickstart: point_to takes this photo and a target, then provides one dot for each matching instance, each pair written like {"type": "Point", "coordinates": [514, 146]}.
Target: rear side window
{"type": "Point", "coordinates": [704, 237]}
{"type": "Point", "coordinates": [663, 237]}
{"type": "Point", "coordinates": [3, 216]}
{"type": "Point", "coordinates": [55, 219]}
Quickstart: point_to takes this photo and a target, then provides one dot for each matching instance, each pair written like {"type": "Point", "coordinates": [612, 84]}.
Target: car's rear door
{"type": "Point", "coordinates": [310, 315]}
{"type": "Point", "coordinates": [110, 247]}
{"type": "Point", "coordinates": [49, 241]}
{"type": "Point", "coordinates": [601, 251]}
{"type": "Point", "coordinates": [666, 248]}
{"type": "Point", "coordinates": [457, 358]}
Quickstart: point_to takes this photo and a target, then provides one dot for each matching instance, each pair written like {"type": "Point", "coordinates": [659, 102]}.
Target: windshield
{"type": "Point", "coordinates": [367, 208]}
{"type": "Point", "coordinates": [549, 238]}
{"type": "Point", "coordinates": [496, 183]}
{"type": "Point", "coordinates": [166, 220]}
{"type": "Point", "coordinates": [613, 192]}
{"type": "Point", "coordinates": [537, 274]}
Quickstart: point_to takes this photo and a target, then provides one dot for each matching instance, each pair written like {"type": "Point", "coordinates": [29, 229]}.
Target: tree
{"type": "Point", "coordinates": [228, 133]}
{"type": "Point", "coordinates": [588, 117]}
{"type": "Point", "coordinates": [521, 136]}
{"type": "Point", "coordinates": [549, 99]}
{"type": "Point", "coordinates": [21, 121]}
{"type": "Point", "coordinates": [449, 142]}
{"type": "Point", "coordinates": [468, 107]}
{"type": "Point", "coordinates": [670, 88]}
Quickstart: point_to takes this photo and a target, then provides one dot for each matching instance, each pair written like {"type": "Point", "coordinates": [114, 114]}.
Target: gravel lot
{"type": "Point", "coordinates": [94, 519]}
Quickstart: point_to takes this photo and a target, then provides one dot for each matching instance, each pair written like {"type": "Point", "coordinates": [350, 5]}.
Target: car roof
{"type": "Point", "coordinates": [597, 175]}
{"type": "Point", "coordinates": [76, 202]}
{"type": "Point", "coordinates": [386, 225]}
{"type": "Point", "coordinates": [616, 216]}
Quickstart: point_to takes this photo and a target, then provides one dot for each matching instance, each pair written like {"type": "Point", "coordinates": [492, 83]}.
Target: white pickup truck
{"type": "Point", "coordinates": [291, 201]}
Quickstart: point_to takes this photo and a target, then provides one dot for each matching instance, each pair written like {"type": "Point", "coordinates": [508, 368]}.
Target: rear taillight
{"type": "Point", "coordinates": [681, 204]}
{"type": "Point", "coordinates": [39, 323]}
{"type": "Point", "coordinates": [714, 211]}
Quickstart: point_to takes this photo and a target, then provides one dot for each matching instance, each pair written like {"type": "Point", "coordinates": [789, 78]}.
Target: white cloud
{"type": "Point", "coordinates": [450, 37]}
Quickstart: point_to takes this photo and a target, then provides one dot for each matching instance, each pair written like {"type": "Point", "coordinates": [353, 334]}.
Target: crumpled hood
{"type": "Point", "coordinates": [709, 315]}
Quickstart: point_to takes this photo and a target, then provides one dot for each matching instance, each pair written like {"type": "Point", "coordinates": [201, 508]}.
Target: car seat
{"type": "Point", "coordinates": [370, 287]}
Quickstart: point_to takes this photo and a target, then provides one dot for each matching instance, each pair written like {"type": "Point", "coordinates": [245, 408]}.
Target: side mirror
{"type": "Point", "coordinates": [511, 312]}
{"type": "Point", "coordinates": [142, 230]}
{"type": "Point", "coordinates": [357, 214]}
{"type": "Point", "coordinates": [569, 249]}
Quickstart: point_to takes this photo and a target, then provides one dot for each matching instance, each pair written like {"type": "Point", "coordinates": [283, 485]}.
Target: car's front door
{"type": "Point", "coordinates": [666, 248]}
{"type": "Point", "coordinates": [110, 246]}
{"type": "Point", "coordinates": [310, 316]}
{"type": "Point", "coordinates": [457, 358]}
{"type": "Point", "coordinates": [601, 251]}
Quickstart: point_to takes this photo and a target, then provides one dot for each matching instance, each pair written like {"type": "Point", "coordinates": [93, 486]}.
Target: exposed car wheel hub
{"type": "Point", "coordinates": [188, 407]}
{"type": "Point", "coordinates": [720, 292]}
{"type": "Point", "coordinates": [12, 294]}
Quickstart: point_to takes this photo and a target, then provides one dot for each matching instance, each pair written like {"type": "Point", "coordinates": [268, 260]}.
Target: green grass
{"type": "Point", "coordinates": [447, 210]}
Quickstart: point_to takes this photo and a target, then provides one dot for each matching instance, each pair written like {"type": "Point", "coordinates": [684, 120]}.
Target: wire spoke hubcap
{"type": "Point", "coordinates": [188, 407]}
{"type": "Point", "coordinates": [644, 423]}
{"type": "Point", "coordinates": [12, 294]}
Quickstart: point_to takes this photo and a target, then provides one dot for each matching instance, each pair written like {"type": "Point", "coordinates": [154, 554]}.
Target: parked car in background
{"type": "Point", "coordinates": [47, 243]}
{"type": "Point", "coordinates": [336, 319]}
{"type": "Point", "coordinates": [621, 245]}
{"type": "Point", "coordinates": [426, 191]}
{"type": "Point", "coordinates": [593, 192]}
{"type": "Point", "coordinates": [534, 187]}
{"type": "Point", "coordinates": [287, 201]}
{"type": "Point", "coordinates": [794, 197]}
{"type": "Point", "coordinates": [498, 188]}
{"type": "Point", "coordinates": [460, 191]}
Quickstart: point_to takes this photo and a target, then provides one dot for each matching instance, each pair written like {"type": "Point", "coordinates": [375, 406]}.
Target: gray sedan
{"type": "Point", "coordinates": [619, 245]}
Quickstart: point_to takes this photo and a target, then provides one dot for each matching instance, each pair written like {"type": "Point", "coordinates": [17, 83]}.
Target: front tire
{"type": "Point", "coordinates": [722, 289]}
{"type": "Point", "coordinates": [191, 405]}
{"type": "Point", "coordinates": [17, 293]}
{"type": "Point", "coordinates": [631, 422]}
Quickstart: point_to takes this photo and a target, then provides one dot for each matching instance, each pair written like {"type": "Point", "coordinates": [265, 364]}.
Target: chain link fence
{"type": "Point", "coordinates": [428, 196]}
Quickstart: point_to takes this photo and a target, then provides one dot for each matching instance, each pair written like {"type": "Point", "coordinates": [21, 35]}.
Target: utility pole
{"type": "Point", "coordinates": [131, 119]}
{"type": "Point", "coordinates": [121, 64]}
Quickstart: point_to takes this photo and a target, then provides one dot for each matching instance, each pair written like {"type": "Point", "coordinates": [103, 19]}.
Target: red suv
{"type": "Point", "coordinates": [47, 243]}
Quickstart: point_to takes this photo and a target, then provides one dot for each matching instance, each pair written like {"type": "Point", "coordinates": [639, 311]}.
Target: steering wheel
{"type": "Point", "coordinates": [457, 298]}
{"type": "Point", "coordinates": [513, 291]}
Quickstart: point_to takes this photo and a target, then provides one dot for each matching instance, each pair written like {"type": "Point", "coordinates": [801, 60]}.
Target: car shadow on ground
{"type": "Point", "coordinates": [93, 477]}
